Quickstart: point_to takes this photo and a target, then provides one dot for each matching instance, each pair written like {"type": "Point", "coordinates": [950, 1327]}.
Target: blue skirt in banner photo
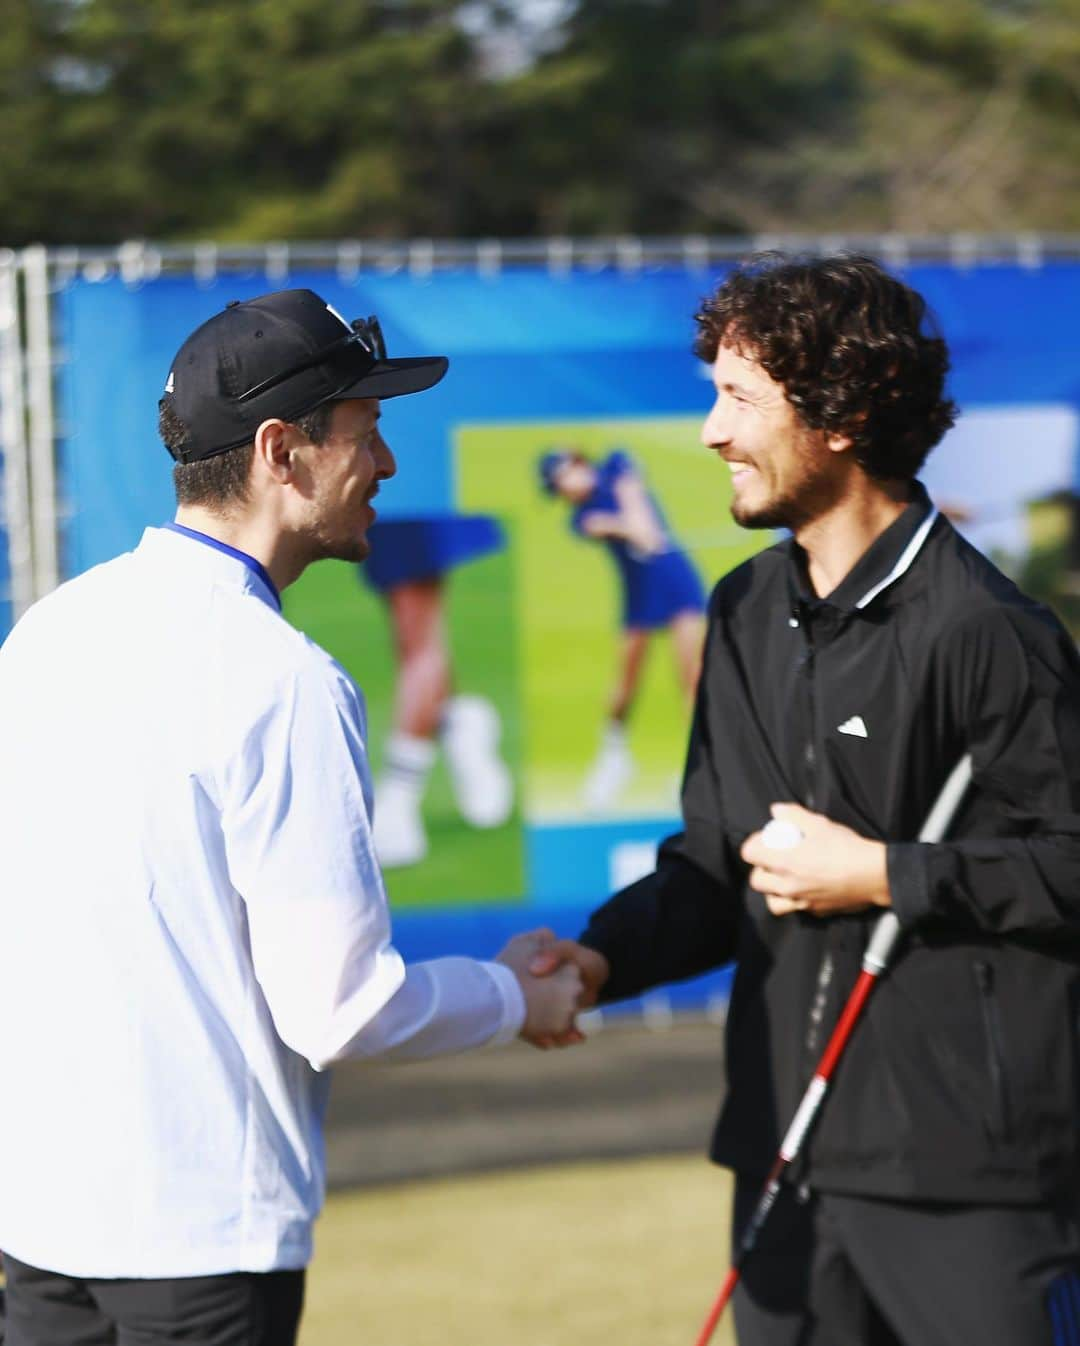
{"type": "Point", "coordinates": [408, 550]}
{"type": "Point", "coordinates": [657, 589]}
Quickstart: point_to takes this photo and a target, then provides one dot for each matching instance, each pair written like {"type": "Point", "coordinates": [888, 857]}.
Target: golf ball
{"type": "Point", "coordinates": [779, 835]}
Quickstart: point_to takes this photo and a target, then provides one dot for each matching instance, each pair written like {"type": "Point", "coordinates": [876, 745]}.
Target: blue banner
{"type": "Point", "coordinates": [524, 345]}
{"type": "Point", "coordinates": [594, 361]}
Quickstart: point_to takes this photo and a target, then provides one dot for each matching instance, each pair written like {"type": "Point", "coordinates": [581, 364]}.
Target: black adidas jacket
{"type": "Point", "coordinates": [962, 1081]}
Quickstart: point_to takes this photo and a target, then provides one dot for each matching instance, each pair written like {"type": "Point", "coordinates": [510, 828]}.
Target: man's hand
{"type": "Point", "coordinates": [831, 871]}
{"type": "Point", "coordinates": [593, 966]}
{"type": "Point", "coordinates": [551, 1001]}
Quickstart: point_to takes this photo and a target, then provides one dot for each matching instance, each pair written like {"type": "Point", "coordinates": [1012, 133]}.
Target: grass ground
{"type": "Point", "coordinates": [624, 1253]}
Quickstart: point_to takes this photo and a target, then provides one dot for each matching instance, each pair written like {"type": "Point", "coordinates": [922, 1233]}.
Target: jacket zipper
{"type": "Point", "coordinates": [810, 751]}
{"type": "Point", "coordinates": [825, 968]}
{"type": "Point", "coordinates": [995, 1043]}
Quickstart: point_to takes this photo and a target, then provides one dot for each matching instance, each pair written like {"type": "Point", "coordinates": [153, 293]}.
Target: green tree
{"type": "Point", "coordinates": [293, 119]}
{"type": "Point", "coordinates": [684, 114]}
{"type": "Point", "coordinates": [245, 118]}
{"type": "Point", "coordinates": [778, 116]}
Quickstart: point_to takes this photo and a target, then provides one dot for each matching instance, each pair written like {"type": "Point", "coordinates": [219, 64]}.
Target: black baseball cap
{"type": "Point", "coordinates": [281, 355]}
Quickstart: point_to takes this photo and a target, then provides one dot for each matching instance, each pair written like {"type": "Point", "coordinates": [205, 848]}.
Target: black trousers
{"type": "Point", "coordinates": [45, 1308]}
{"type": "Point", "coordinates": [832, 1270]}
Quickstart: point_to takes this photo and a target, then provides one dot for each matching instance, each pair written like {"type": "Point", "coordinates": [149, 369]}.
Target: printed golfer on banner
{"type": "Point", "coordinates": [660, 590]}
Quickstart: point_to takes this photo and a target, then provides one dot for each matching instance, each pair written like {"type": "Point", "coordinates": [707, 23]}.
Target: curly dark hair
{"type": "Point", "coordinates": [846, 341]}
{"type": "Point", "coordinates": [222, 479]}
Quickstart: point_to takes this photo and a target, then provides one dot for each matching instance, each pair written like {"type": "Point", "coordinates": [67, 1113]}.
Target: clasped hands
{"type": "Point", "coordinates": [558, 977]}
{"type": "Point", "coordinates": [831, 871]}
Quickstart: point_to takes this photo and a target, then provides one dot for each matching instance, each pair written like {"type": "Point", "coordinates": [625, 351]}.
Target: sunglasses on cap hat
{"type": "Point", "coordinates": [366, 332]}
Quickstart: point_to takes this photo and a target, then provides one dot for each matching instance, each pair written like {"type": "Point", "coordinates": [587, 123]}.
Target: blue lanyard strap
{"type": "Point", "coordinates": [255, 566]}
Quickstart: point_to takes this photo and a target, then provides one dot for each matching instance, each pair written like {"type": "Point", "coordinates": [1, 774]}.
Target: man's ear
{"type": "Point", "coordinates": [837, 442]}
{"type": "Point", "coordinates": [273, 449]}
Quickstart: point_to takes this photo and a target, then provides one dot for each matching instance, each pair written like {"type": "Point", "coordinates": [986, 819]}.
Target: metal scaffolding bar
{"type": "Point", "coordinates": [39, 397]}
{"type": "Point", "coordinates": [14, 448]}
{"type": "Point", "coordinates": [350, 258]}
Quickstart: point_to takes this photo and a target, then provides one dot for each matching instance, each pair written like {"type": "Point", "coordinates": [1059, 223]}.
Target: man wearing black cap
{"type": "Point", "coordinates": [194, 920]}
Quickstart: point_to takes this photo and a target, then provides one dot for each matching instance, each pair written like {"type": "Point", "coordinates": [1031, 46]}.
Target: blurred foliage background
{"type": "Point", "coordinates": [294, 119]}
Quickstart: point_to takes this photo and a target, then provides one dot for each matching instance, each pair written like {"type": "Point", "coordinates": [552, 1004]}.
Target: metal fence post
{"type": "Point", "coordinates": [39, 396]}
{"type": "Point", "coordinates": [14, 448]}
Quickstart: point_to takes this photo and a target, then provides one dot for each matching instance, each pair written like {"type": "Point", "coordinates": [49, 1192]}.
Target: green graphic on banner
{"type": "Point", "coordinates": [534, 628]}
{"type": "Point", "coordinates": [463, 864]}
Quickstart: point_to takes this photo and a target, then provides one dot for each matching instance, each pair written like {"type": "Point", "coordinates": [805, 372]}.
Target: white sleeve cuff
{"type": "Point", "coordinates": [446, 1005]}
{"type": "Point", "coordinates": [513, 1002]}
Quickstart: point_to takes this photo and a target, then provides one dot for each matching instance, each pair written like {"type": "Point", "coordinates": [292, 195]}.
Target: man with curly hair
{"type": "Point", "coordinates": [847, 669]}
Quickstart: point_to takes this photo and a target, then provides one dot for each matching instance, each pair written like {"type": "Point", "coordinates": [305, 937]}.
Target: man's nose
{"type": "Point", "coordinates": [716, 429]}
{"type": "Point", "coordinates": [386, 463]}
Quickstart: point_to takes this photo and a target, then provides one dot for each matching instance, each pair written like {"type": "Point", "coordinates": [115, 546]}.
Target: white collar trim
{"type": "Point", "coordinates": [905, 559]}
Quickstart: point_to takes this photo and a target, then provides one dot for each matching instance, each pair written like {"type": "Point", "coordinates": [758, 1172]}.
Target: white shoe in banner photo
{"type": "Point", "coordinates": [399, 833]}
{"type": "Point", "coordinates": [400, 838]}
{"type": "Point", "coordinates": [481, 781]}
{"type": "Point", "coordinates": [610, 773]}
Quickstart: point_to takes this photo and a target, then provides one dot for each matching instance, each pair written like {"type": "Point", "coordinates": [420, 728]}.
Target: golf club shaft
{"type": "Point", "coordinates": [875, 960]}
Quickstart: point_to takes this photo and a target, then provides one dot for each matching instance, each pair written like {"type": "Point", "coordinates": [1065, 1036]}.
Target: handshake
{"type": "Point", "coordinates": [558, 977]}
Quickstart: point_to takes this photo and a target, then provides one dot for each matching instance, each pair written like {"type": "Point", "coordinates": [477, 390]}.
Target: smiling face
{"type": "Point", "coordinates": [344, 475]}
{"type": "Point", "coordinates": [784, 474]}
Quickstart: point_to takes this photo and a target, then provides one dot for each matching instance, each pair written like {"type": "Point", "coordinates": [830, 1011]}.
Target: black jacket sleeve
{"type": "Point", "coordinates": [682, 919]}
{"type": "Point", "coordinates": [1014, 678]}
